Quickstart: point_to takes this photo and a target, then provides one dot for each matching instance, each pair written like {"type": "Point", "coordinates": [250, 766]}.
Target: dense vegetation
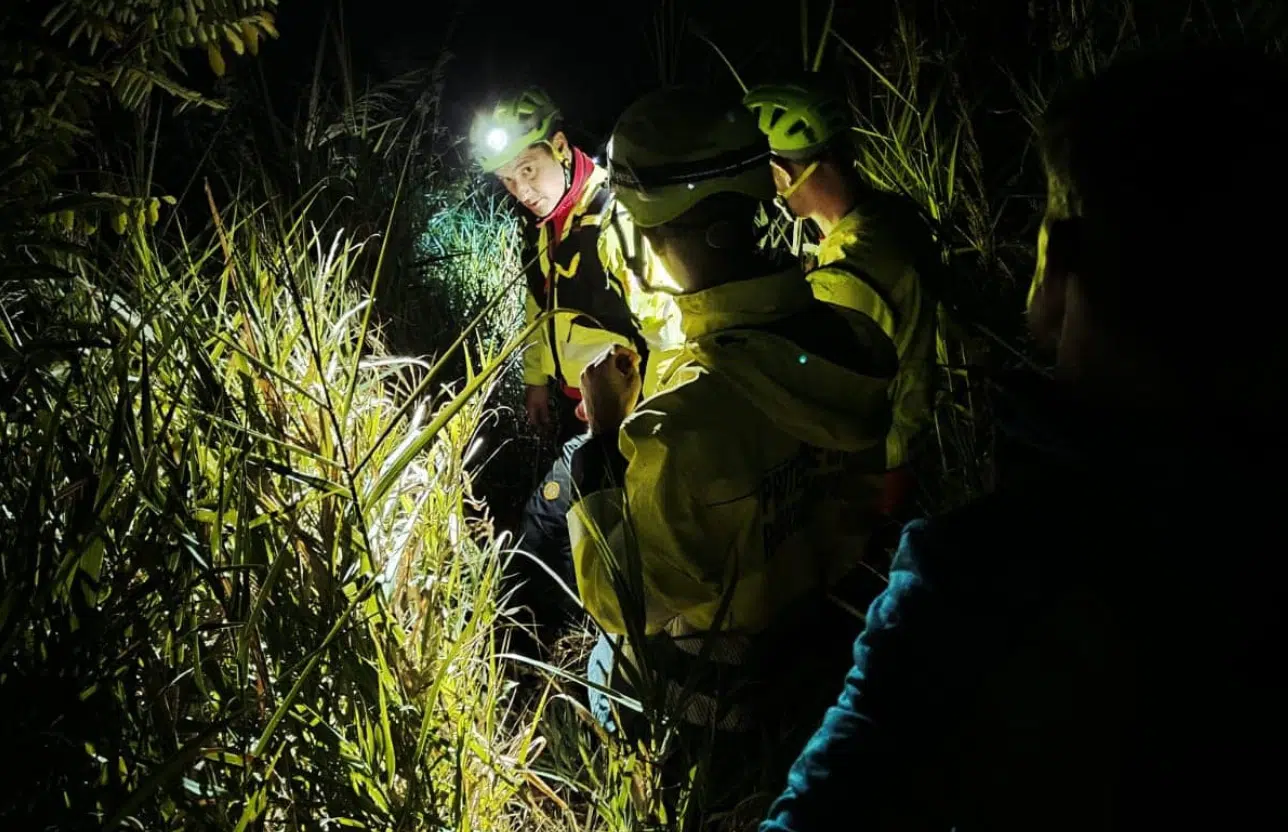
{"type": "Point", "coordinates": [252, 371]}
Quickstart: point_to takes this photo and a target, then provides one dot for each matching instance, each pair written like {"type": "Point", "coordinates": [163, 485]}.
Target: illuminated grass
{"type": "Point", "coordinates": [247, 581]}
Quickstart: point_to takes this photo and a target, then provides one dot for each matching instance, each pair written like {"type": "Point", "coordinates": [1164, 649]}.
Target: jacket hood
{"type": "Point", "coordinates": [766, 337]}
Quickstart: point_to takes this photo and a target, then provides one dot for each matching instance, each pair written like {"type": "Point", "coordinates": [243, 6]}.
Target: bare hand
{"type": "Point", "coordinates": [536, 400]}
{"type": "Point", "coordinates": [610, 387]}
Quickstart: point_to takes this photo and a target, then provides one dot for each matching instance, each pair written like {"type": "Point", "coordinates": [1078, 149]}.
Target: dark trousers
{"type": "Point", "coordinates": [544, 559]}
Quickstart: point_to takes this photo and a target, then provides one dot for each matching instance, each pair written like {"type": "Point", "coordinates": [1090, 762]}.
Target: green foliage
{"type": "Point", "coordinates": [65, 64]}
{"type": "Point", "coordinates": [56, 67]}
{"type": "Point", "coordinates": [246, 582]}
{"type": "Point", "coordinates": [240, 601]}
{"type": "Point", "coordinates": [148, 37]}
{"type": "Point", "coordinates": [468, 252]}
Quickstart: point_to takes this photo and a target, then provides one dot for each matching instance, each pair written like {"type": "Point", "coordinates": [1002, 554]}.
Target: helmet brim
{"type": "Point", "coordinates": [659, 206]}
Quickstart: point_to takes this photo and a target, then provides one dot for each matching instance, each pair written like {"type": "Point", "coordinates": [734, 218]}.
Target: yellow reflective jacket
{"type": "Point", "coordinates": [587, 273]}
{"type": "Point", "coordinates": [754, 471]}
{"type": "Point", "coordinates": [868, 263]}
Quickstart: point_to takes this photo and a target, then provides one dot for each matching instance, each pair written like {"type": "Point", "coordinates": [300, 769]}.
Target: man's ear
{"type": "Point", "coordinates": [559, 147]}
{"type": "Point", "coordinates": [782, 173]}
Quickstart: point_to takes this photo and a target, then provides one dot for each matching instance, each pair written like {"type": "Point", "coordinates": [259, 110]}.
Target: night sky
{"type": "Point", "coordinates": [594, 58]}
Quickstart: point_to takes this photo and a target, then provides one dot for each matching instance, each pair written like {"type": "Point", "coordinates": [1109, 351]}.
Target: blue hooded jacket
{"type": "Point", "coordinates": [1093, 647]}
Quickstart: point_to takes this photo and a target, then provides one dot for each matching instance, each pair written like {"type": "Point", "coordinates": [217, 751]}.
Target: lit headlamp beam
{"type": "Point", "coordinates": [497, 139]}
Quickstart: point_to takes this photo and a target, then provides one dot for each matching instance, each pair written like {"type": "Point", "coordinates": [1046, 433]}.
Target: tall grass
{"type": "Point", "coordinates": [247, 579]}
{"type": "Point", "coordinates": [230, 598]}
{"type": "Point", "coordinates": [914, 137]}
{"type": "Point", "coordinates": [246, 583]}
{"type": "Point", "coordinates": [944, 114]}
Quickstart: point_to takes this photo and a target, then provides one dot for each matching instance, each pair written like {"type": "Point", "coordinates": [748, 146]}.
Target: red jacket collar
{"type": "Point", "coordinates": [582, 167]}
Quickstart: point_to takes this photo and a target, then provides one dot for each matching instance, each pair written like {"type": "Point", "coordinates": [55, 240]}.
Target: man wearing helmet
{"type": "Point", "coordinates": [1067, 653]}
{"type": "Point", "coordinates": [583, 261]}
{"type": "Point", "coordinates": [874, 252]}
{"type": "Point", "coordinates": [715, 517]}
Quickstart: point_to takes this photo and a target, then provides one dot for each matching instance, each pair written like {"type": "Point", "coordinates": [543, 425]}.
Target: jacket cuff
{"type": "Point", "coordinates": [598, 465]}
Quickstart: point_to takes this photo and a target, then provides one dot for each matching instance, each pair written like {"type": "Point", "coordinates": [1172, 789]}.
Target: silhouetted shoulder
{"type": "Point", "coordinates": [997, 549]}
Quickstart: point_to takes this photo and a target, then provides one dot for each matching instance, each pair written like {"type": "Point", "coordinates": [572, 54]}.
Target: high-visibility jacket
{"type": "Point", "coordinates": [753, 474]}
{"type": "Point", "coordinates": [868, 263]}
{"type": "Point", "coordinates": [583, 266]}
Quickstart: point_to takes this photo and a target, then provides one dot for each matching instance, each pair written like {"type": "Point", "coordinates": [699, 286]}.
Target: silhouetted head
{"type": "Point", "coordinates": [520, 142]}
{"type": "Point", "coordinates": [691, 168]}
{"type": "Point", "coordinates": [808, 127]}
{"type": "Point", "coordinates": [1159, 256]}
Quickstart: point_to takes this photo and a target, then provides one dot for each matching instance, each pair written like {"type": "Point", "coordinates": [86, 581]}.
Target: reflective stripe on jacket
{"type": "Point", "coordinates": [585, 272]}
{"type": "Point", "coordinates": [868, 263]}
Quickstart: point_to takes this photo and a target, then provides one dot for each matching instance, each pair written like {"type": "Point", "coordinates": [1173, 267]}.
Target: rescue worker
{"type": "Point", "coordinates": [715, 516]}
{"type": "Point", "coordinates": [873, 251]}
{"type": "Point", "coordinates": [583, 261]}
{"type": "Point", "coordinates": [1096, 645]}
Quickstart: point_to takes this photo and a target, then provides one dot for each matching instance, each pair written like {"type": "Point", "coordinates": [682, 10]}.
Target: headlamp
{"type": "Point", "coordinates": [497, 139]}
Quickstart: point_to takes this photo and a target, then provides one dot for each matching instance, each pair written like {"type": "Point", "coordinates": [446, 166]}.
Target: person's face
{"type": "Point", "coordinates": [1059, 315]}
{"type": "Point", "coordinates": [535, 178]}
{"type": "Point", "coordinates": [1108, 357]}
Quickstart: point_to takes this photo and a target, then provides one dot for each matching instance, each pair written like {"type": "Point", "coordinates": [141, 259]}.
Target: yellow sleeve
{"type": "Point", "coordinates": [840, 287]}
{"type": "Point", "coordinates": [645, 546]}
{"type": "Point", "coordinates": [658, 314]}
{"type": "Point", "coordinates": [612, 255]}
{"type": "Point", "coordinates": [537, 355]}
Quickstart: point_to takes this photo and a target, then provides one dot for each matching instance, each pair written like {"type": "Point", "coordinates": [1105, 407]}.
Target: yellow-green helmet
{"type": "Point", "coordinates": [515, 124]}
{"type": "Point", "coordinates": [799, 122]}
{"type": "Point", "coordinates": [675, 147]}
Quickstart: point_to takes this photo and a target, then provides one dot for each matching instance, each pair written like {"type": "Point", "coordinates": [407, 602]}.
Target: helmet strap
{"type": "Point", "coordinates": [564, 160]}
{"type": "Point", "coordinates": [800, 180]}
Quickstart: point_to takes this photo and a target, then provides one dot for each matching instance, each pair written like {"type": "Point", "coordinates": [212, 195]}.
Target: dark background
{"type": "Point", "coordinates": [594, 58]}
